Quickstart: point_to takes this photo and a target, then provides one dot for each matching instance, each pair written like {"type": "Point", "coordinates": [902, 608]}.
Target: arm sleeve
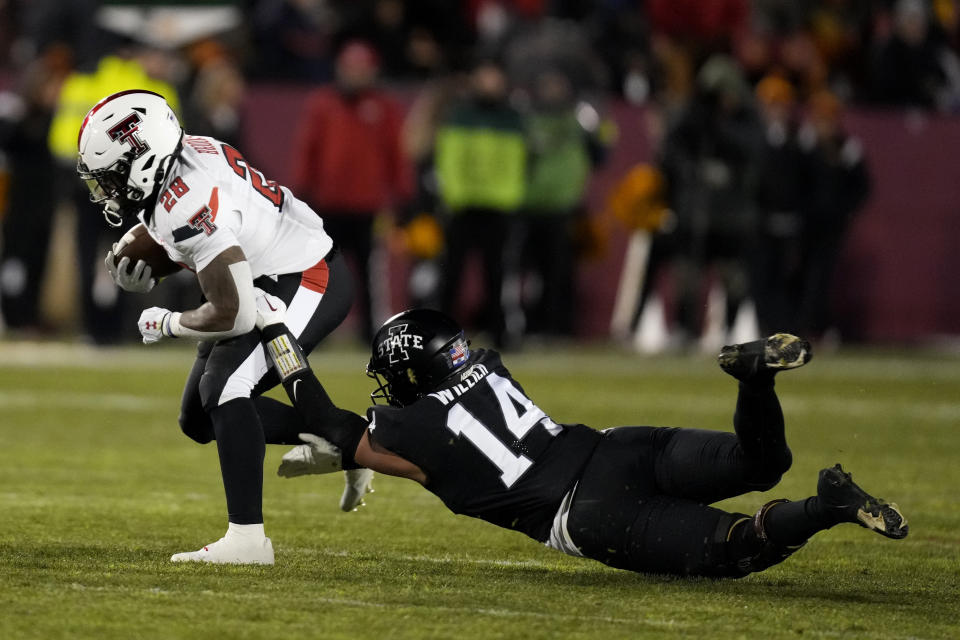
{"type": "Point", "coordinates": [340, 426]}
{"type": "Point", "coordinates": [246, 313]}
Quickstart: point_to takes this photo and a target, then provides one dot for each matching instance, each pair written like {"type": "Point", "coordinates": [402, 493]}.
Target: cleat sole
{"type": "Point", "coordinates": [885, 519]}
{"type": "Point", "coordinates": [871, 513]}
{"type": "Point", "coordinates": [785, 351]}
{"type": "Point", "coordinates": [778, 352]}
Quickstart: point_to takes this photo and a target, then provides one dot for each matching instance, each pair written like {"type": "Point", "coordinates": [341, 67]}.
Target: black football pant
{"type": "Point", "coordinates": [643, 500]}
{"type": "Point", "coordinates": [221, 399]}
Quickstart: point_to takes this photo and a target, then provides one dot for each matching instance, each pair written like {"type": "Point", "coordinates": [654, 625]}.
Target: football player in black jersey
{"type": "Point", "coordinates": [631, 497]}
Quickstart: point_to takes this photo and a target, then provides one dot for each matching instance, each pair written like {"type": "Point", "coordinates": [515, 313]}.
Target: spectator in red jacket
{"type": "Point", "coordinates": [350, 166]}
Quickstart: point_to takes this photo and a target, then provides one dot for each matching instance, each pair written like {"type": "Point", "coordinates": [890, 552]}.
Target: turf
{"type": "Point", "coordinates": [98, 487]}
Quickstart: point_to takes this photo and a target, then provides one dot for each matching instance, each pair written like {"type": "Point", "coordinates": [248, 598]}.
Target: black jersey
{"type": "Point", "coordinates": [487, 450]}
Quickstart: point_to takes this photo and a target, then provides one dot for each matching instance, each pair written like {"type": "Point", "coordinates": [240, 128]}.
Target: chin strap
{"type": "Point", "coordinates": [111, 210]}
{"type": "Point", "coordinates": [113, 217]}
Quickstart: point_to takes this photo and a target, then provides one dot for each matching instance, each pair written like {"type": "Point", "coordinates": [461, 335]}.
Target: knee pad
{"type": "Point", "coordinates": [196, 427]}
{"type": "Point", "coordinates": [195, 421]}
{"type": "Point", "coordinates": [210, 387]}
{"type": "Point", "coordinates": [217, 388]}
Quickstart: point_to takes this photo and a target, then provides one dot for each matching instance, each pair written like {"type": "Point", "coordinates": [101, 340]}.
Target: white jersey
{"type": "Point", "coordinates": [213, 200]}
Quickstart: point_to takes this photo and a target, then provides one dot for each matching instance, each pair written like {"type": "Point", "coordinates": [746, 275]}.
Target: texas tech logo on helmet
{"type": "Point", "coordinates": [398, 342]}
{"type": "Point", "coordinates": [127, 131]}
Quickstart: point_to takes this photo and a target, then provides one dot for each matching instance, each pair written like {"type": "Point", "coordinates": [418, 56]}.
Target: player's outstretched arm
{"type": "Point", "coordinates": [345, 429]}
{"type": "Point", "coordinates": [374, 456]}
{"type": "Point", "coordinates": [229, 311]}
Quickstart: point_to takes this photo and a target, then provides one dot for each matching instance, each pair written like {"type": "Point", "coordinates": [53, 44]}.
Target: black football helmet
{"type": "Point", "coordinates": [413, 353]}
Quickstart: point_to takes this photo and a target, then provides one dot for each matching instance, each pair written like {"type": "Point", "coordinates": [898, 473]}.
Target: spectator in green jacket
{"type": "Point", "coordinates": [481, 168]}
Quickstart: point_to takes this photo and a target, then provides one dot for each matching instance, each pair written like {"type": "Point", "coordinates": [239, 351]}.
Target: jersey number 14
{"type": "Point", "coordinates": [520, 416]}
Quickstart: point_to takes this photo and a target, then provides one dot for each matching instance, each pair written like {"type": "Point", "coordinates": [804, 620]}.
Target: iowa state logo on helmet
{"type": "Point", "coordinates": [396, 346]}
{"type": "Point", "coordinates": [127, 131]}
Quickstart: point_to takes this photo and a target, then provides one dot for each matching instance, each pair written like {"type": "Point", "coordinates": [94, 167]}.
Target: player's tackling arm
{"type": "Point", "coordinates": [371, 455]}
{"type": "Point", "coordinates": [344, 429]}
{"type": "Point", "coordinates": [229, 310]}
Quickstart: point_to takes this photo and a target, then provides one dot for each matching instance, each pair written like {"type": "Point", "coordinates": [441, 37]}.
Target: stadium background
{"type": "Point", "coordinates": [894, 279]}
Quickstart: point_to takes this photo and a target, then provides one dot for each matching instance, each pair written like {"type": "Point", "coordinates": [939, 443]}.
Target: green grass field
{"type": "Point", "coordinates": [98, 487]}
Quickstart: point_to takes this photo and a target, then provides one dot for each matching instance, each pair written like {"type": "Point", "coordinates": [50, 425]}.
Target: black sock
{"type": "Point", "coordinates": [282, 424]}
{"type": "Point", "coordinates": [758, 422]}
{"type": "Point", "coordinates": [793, 523]}
{"type": "Point", "coordinates": [241, 447]}
{"type": "Point", "coordinates": [318, 414]}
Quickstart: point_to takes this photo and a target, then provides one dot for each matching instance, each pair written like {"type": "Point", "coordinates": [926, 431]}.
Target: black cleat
{"type": "Point", "coordinates": [841, 498]}
{"type": "Point", "coordinates": [776, 353]}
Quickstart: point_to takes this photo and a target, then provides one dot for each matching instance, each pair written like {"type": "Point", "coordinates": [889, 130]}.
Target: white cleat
{"type": "Point", "coordinates": [231, 550]}
{"type": "Point", "coordinates": [317, 456]}
{"type": "Point", "coordinates": [357, 485]}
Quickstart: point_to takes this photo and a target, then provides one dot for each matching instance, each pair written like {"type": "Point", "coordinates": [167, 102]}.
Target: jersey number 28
{"type": "Point", "coordinates": [520, 416]}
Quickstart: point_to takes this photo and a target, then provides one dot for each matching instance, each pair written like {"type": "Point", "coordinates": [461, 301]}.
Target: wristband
{"type": "Point", "coordinates": [170, 325]}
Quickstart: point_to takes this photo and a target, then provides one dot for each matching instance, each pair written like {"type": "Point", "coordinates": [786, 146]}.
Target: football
{"type": "Point", "coordinates": [140, 246]}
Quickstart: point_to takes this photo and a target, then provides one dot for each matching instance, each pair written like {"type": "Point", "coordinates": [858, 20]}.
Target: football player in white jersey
{"type": "Point", "coordinates": [221, 218]}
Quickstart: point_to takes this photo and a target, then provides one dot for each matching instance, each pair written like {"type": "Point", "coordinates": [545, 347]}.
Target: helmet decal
{"type": "Point", "coordinates": [109, 99]}
{"type": "Point", "coordinates": [127, 131]}
{"type": "Point", "coordinates": [459, 353]}
{"type": "Point", "coordinates": [397, 342]}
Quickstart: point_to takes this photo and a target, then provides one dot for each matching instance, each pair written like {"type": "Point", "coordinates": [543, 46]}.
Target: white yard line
{"type": "Point", "coordinates": [564, 361]}
{"type": "Point", "coordinates": [698, 405]}
{"type": "Point", "coordinates": [32, 355]}
{"type": "Point", "coordinates": [546, 362]}
{"type": "Point", "coordinates": [37, 399]}
{"type": "Point", "coordinates": [39, 355]}
{"type": "Point", "coordinates": [695, 405]}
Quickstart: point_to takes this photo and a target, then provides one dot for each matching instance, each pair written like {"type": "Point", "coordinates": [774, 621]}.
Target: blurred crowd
{"type": "Point", "coordinates": [488, 158]}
